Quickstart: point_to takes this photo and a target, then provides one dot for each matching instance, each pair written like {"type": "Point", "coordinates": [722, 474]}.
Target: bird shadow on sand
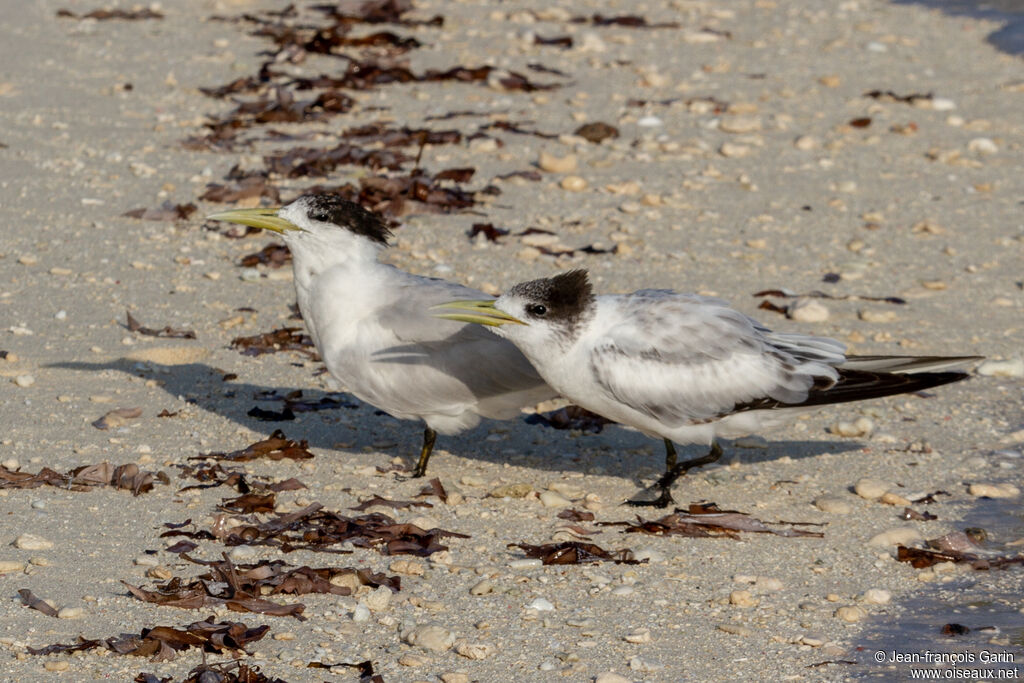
{"type": "Point", "coordinates": [360, 427]}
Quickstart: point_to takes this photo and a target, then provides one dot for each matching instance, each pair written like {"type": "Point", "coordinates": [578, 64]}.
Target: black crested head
{"type": "Point", "coordinates": [564, 298]}
{"type": "Point", "coordinates": [330, 208]}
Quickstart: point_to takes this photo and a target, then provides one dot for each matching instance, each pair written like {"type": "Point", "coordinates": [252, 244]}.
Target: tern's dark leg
{"type": "Point", "coordinates": [670, 456]}
{"type": "Point", "coordinates": [429, 436]}
{"type": "Point", "coordinates": [673, 471]}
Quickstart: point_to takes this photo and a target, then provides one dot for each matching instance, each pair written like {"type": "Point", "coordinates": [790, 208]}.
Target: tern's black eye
{"type": "Point", "coordinates": [537, 310]}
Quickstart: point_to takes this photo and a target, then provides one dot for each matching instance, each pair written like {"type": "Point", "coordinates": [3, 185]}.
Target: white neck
{"type": "Point", "coordinates": [314, 253]}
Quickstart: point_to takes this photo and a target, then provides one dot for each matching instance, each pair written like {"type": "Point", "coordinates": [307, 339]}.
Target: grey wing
{"type": "Point", "coordinates": [682, 359]}
{"type": "Point", "coordinates": [409, 314]}
{"type": "Point", "coordinates": [496, 373]}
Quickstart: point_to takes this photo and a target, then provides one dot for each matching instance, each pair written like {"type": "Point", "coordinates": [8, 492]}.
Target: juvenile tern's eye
{"type": "Point", "coordinates": [538, 310]}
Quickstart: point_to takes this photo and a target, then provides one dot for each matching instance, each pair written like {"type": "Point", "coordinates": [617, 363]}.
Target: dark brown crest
{"type": "Point", "coordinates": [564, 297]}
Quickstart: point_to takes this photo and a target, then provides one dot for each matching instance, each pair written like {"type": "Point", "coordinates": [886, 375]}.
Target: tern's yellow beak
{"type": "Point", "coordinates": [265, 218]}
{"type": "Point", "coordinates": [480, 312]}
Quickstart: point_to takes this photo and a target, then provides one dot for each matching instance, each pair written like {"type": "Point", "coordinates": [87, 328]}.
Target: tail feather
{"type": "Point", "coordinates": [907, 364]}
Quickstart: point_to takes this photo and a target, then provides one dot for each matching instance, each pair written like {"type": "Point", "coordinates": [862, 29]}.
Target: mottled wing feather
{"type": "Point", "coordinates": [683, 359]}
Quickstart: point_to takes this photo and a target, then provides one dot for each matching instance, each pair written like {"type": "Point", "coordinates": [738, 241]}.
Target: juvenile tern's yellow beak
{"type": "Point", "coordinates": [265, 218]}
{"type": "Point", "coordinates": [480, 312]}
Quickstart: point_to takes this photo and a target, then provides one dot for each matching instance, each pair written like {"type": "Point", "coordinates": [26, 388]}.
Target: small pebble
{"type": "Point", "coordinates": [243, 553]}
{"type": "Point", "coordinates": [539, 239]}
{"type": "Point", "coordinates": [573, 183]}
{"type": "Point", "coordinates": [1002, 368]}
{"type": "Point", "coordinates": [899, 536]}
{"type": "Point", "coordinates": [739, 124]}
{"type": "Point", "coordinates": [70, 613]}
{"type": "Point", "coordinates": [552, 499]}
{"type": "Point", "coordinates": [407, 567]}
{"type": "Point", "coordinates": [11, 464]}
{"type": "Point", "coordinates": [890, 498]}
{"type": "Point", "coordinates": [541, 605]}
{"type": "Point", "coordinates": [455, 677]}
{"type": "Point", "coordinates": [807, 311]}
{"type": "Point", "coordinates": [644, 665]}
{"type": "Point", "coordinates": [994, 490]}
{"type": "Point", "coordinates": [161, 573]}
{"type": "Point", "coordinates": [731, 150]}
{"type": "Point", "coordinates": [982, 146]}
{"type": "Point", "coordinates": [876, 596]}
{"type": "Point", "coordinates": [32, 542]}
{"type": "Point", "coordinates": [432, 637]}
{"type": "Point", "coordinates": [610, 677]}
{"type": "Point", "coordinates": [552, 164]}
{"type": "Point", "coordinates": [743, 599]}
{"type": "Point", "coordinates": [566, 489]}
{"type": "Point", "coordinates": [862, 426]}
{"type": "Point", "coordinates": [409, 659]}
{"type": "Point", "coordinates": [482, 587]}
{"type": "Point", "coordinates": [736, 630]}
{"type": "Point", "coordinates": [472, 650]}
{"type": "Point", "coordinates": [851, 613]}
{"type": "Point", "coordinates": [806, 143]}
{"type": "Point", "coordinates": [871, 316]}
{"type": "Point", "coordinates": [24, 381]}
{"type": "Point", "coordinates": [361, 613]}
{"type": "Point", "coordinates": [511, 491]}
{"type": "Point", "coordinates": [379, 599]}
{"type": "Point", "coordinates": [526, 563]}
{"type": "Point", "coordinates": [833, 504]}
{"type": "Point", "coordinates": [871, 489]}
{"type": "Point", "coordinates": [347, 580]}
{"type": "Point", "coordinates": [592, 42]}
{"type": "Point", "coordinates": [11, 566]}
{"type": "Point", "coordinates": [650, 554]}
{"type": "Point", "coordinates": [59, 665]}
{"type": "Point", "coordinates": [424, 522]}
{"type": "Point", "coordinates": [638, 637]}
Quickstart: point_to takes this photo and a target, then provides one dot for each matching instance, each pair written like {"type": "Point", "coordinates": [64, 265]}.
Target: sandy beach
{"type": "Point", "coordinates": [860, 163]}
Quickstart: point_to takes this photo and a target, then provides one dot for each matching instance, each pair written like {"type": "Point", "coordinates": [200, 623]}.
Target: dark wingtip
{"type": "Point", "coordinates": [860, 385]}
{"type": "Point", "coordinates": [332, 208]}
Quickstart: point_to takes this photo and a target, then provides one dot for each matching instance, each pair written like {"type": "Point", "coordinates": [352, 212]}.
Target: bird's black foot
{"type": "Point", "coordinates": [673, 471]}
{"type": "Point", "coordinates": [663, 500]}
{"type": "Point", "coordinates": [429, 436]}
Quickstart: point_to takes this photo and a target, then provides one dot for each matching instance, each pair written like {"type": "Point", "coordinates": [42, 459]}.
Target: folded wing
{"type": "Point", "coordinates": [683, 359]}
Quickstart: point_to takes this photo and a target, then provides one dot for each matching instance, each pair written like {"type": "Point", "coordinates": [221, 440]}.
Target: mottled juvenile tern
{"type": "Point", "coordinates": [683, 367]}
{"type": "Point", "coordinates": [372, 325]}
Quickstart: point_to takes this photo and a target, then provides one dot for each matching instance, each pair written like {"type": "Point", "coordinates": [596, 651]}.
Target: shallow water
{"type": "Point", "coordinates": [1009, 38]}
{"type": "Point", "coordinates": [914, 629]}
